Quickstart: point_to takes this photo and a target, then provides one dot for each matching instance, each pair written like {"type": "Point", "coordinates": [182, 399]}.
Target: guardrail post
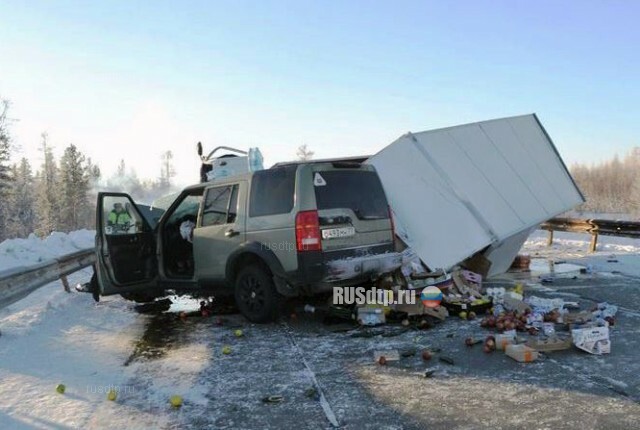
{"type": "Point", "coordinates": [65, 283]}
{"type": "Point", "coordinates": [550, 239]}
{"type": "Point", "coordinates": [594, 242]}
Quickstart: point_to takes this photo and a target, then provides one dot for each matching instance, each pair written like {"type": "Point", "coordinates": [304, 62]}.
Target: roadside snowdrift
{"type": "Point", "coordinates": [32, 250]}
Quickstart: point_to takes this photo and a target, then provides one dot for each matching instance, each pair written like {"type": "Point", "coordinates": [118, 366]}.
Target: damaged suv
{"type": "Point", "coordinates": [294, 229]}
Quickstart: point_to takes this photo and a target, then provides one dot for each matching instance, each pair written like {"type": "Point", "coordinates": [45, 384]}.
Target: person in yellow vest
{"type": "Point", "coordinates": [119, 218]}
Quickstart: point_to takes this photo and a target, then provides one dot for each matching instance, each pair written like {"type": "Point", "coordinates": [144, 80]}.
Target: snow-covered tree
{"type": "Point", "coordinates": [74, 188]}
{"type": "Point", "coordinates": [167, 171]}
{"type": "Point", "coordinates": [5, 166]}
{"type": "Point", "coordinates": [304, 153]}
{"type": "Point", "coordinates": [611, 185]}
{"type": "Point", "coordinates": [47, 191]}
{"type": "Point", "coordinates": [21, 210]}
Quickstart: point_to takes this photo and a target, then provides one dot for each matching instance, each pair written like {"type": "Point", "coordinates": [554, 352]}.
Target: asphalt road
{"type": "Point", "coordinates": [567, 389]}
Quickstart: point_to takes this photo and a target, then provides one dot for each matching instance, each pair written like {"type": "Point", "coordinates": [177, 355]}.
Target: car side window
{"type": "Point", "coordinates": [220, 205]}
{"type": "Point", "coordinates": [120, 216]}
{"type": "Point", "coordinates": [272, 191]}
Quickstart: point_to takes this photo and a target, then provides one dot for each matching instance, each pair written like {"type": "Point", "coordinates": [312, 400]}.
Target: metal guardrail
{"type": "Point", "coordinates": [20, 282]}
{"type": "Point", "coordinates": [594, 227]}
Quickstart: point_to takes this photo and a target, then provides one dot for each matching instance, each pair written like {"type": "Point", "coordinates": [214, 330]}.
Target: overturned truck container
{"type": "Point", "coordinates": [478, 188]}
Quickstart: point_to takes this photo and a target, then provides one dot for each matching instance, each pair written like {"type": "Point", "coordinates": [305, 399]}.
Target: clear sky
{"type": "Point", "coordinates": [131, 79]}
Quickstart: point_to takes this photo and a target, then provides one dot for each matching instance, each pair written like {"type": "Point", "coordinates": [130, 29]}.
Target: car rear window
{"type": "Point", "coordinates": [358, 190]}
{"type": "Point", "coordinates": [272, 191]}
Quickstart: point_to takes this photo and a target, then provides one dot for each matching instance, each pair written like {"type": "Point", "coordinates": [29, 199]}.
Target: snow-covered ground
{"type": "Point", "coordinates": [613, 254]}
{"type": "Point", "coordinates": [54, 337]}
{"type": "Point", "coordinates": [33, 250]}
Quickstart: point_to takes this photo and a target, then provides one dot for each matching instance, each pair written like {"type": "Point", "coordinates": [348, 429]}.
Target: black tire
{"type": "Point", "coordinates": [256, 295]}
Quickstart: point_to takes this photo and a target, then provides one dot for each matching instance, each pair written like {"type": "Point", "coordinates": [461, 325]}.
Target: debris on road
{"type": "Point", "coordinates": [389, 355]}
{"type": "Point", "coordinates": [176, 401]}
{"type": "Point", "coordinates": [594, 340]}
{"type": "Point", "coordinates": [521, 353]}
{"type": "Point", "coordinates": [429, 373]}
{"type": "Point", "coordinates": [273, 399]}
{"type": "Point", "coordinates": [371, 316]}
{"type": "Point", "coordinates": [447, 360]}
{"type": "Point", "coordinates": [554, 343]}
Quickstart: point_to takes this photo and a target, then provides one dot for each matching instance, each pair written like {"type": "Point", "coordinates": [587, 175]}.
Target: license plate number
{"type": "Point", "coordinates": [334, 233]}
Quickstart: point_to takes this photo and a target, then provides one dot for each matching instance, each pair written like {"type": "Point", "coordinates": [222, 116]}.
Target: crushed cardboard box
{"type": "Point", "coordinates": [553, 343]}
{"type": "Point", "coordinates": [594, 340]}
{"type": "Point", "coordinates": [418, 308]}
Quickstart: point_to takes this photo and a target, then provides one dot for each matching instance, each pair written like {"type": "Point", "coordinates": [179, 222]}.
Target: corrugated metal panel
{"type": "Point", "coordinates": [457, 190]}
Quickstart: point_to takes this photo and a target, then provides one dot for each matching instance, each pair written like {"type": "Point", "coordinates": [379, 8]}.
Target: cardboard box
{"type": "Point", "coordinates": [549, 344]}
{"type": "Point", "coordinates": [577, 317]}
{"type": "Point", "coordinates": [440, 312]}
{"type": "Point", "coordinates": [594, 340]}
{"type": "Point", "coordinates": [411, 309]}
{"type": "Point", "coordinates": [478, 263]}
{"type": "Point", "coordinates": [521, 353]}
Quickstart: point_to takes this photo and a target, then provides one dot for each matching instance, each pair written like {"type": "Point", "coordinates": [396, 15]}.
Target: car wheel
{"type": "Point", "coordinates": [256, 295]}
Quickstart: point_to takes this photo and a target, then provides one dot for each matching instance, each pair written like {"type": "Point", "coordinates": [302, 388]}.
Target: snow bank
{"type": "Point", "coordinates": [33, 250]}
{"type": "Point", "coordinates": [614, 254]}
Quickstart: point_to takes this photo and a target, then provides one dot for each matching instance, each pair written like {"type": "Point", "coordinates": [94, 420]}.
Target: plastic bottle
{"type": "Point", "coordinates": [255, 160]}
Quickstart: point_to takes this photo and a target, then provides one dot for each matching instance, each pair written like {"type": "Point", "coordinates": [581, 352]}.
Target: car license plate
{"type": "Point", "coordinates": [334, 233]}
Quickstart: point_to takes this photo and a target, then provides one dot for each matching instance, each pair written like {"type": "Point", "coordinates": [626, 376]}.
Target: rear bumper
{"type": "Point", "coordinates": [318, 271]}
{"type": "Point", "coordinates": [365, 267]}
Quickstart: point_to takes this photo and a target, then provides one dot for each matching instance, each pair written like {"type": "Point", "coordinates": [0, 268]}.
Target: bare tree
{"type": "Point", "coordinates": [304, 153]}
{"type": "Point", "coordinates": [612, 185]}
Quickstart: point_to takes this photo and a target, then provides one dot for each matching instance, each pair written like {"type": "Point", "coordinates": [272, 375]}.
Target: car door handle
{"type": "Point", "coordinates": [231, 233]}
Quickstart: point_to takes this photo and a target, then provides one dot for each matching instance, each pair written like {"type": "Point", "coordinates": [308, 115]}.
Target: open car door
{"type": "Point", "coordinates": [125, 247]}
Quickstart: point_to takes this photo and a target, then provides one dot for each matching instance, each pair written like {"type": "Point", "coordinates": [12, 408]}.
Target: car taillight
{"type": "Point", "coordinates": [393, 225]}
{"type": "Point", "coordinates": [308, 231]}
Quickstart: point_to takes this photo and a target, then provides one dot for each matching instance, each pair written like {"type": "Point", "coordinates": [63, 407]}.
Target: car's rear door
{"type": "Point", "coordinates": [125, 249]}
{"type": "Point", "coordinates": [352, 209]}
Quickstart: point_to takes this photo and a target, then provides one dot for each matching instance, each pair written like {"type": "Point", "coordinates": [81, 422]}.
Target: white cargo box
{"type": "Point", "coordinates": [458, 190]}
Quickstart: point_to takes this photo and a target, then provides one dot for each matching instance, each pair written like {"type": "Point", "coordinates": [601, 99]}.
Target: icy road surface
{"type": "Point", "coordinates": [52, 337]}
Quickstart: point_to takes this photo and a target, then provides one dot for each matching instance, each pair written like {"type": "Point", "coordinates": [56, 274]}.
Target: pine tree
{"type": "Point", "coordinates": [167, 170]}
{"type": "Point", "coordinates": [5, 167]}
{"type": "Point", "coordinates": [88, 215]}
{"type": "Point", "coordinates": [122, 169]}
{"type": "Point", "coordinates": [21, 219]}
{"type": "Point", "coordinates": [74, 187]}
{"type": "Point", "coordinates": [47, 192]}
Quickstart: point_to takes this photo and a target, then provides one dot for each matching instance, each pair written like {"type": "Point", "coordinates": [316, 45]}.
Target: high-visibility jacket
{"type": "Point", "coordinates": [116, 218]}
